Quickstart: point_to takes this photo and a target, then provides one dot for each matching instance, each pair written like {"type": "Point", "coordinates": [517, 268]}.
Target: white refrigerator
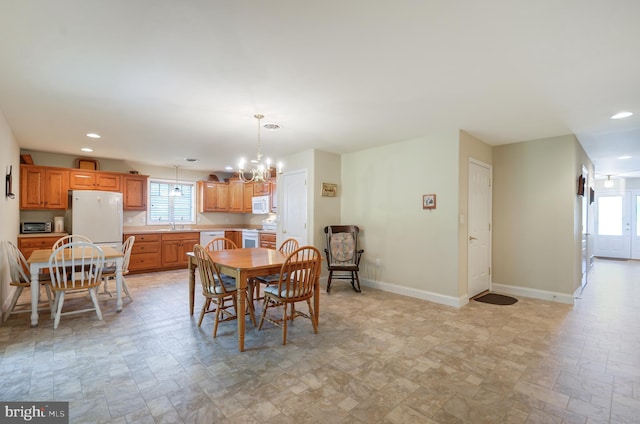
{"type": "Point", "coordinates": [96, 215]}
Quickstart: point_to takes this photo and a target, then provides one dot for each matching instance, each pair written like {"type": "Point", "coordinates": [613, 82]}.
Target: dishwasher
{"type": "Point", "coordinates": [207, 236]}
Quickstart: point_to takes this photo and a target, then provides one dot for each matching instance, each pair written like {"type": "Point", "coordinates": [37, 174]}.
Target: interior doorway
{"type": "Point", "coordinates": [292, 207]}
{"type": "Point", "coordinates": [479, 228]}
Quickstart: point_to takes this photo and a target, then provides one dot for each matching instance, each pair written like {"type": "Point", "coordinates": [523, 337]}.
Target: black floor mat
{"type": "Point", "coordinates": [496, 299]}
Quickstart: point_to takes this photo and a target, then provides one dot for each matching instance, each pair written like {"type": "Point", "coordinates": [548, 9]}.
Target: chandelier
{"type": "Point", "coordinates": [259, 171]}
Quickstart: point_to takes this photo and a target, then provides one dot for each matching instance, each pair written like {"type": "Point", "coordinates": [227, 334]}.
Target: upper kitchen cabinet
{"type": "Point", "coordinates": [262, 189]}
{"type": "Point", "coordinates": [213, 196]}
{"type": "Point", "coordinates": [93, 180]}
{"type": "Point", "coordinates": [43, 187]}
{"type": "Point", "coordinates": [236, 195]}
{"type": "Point", "coordinates": [134, 192]}
{"type": "Point", "coordinates": [247, 195]}
{"type": "Point", "coordinates": [274, 198]}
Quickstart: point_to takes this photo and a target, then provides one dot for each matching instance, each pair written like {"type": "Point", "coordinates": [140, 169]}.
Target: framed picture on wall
{"type": "Point", "coordinates": [429, 201]}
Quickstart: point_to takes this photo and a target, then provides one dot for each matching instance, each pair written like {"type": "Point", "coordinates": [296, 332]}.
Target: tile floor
{"type": "Point", "coordinates": [378, 358]}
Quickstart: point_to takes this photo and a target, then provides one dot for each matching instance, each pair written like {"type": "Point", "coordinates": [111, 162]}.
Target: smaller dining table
{"type": "Point", "coordinates": [243, 264]}
{"type": "Point", "coordinates": [39, 260]}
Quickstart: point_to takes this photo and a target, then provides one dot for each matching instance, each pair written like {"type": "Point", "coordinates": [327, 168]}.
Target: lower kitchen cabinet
{"type": "Point", "coordinates": [145, 253]}
{"type": "Point", "coordinates": [268, 240]}
{"type": "Point", "coordinates": [234, 236]}
{"type": "Point", "coordinates": [175, 247]}
{"type": "Point", "coordinates": [27, 245]}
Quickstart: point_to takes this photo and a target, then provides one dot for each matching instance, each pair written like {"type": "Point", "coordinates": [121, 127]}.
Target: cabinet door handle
{"type": "Point", "coordinates": [472, 238]}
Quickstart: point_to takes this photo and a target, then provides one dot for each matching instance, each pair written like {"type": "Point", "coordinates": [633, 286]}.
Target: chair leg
{"type": "Point", "coordinates": [205, 307]}
{"type": "Point", "coordinates": [58, 305]}
{"type": "Point", "coordinates": [14, 301]}
{"type": "Point", "coordinates": [251, 309]}
{"type": "Point", "coordinates": [329, 281]}
{"type": "Point", "coordinates": [126, 289]}
{"type": "Point", "coordinates": [284, 323]}
{"type": "Point", "coordinates": [312, 317]}
{"type": "Point", "coordinates": [47, 289]}
{"type": "Point", "coordinates": [264, 311]}
{"type": "Point", "coordinates": [94, 298]}
{"type": "Point", "coordinates": [355, 274]}
{"type": "Point", "coordinates": [218, 303]}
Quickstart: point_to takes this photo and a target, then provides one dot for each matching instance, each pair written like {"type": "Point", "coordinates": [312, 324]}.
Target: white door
{"type": "Point", "coordinates": [613, 225]}
{"type": "Point", "coordinates": [635, 224]}
{"type": "Point", "coordinates": [292, 207]}
{"type": "Point", "coordinates": [479, 228]}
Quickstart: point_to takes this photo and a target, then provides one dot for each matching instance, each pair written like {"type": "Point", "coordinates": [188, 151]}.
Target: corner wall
{"type": "Point", "coordinates": [9, 208]}
{"type": "Point", "coordinates": [534, 213]}
{"type": "Point", "coordinates": [408, 249]}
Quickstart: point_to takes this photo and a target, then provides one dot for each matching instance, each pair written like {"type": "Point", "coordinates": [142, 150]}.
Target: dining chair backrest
{"type": "Point", "coordinates": [76, 265]}
{"type": "Point", "coordinates": [212, 283]}
{"type": "Point", "coordinates": [70, 239]}
{"type": "Point", "coordinates": [127, 246]}
{"type": "Point", "coordinates": [220, 243]}
{"type": "Point", "coordinates": [17, 263]}
{"type": "Point", "coordinates": [289, 246]}
{"type": "Point", "coordinates": [299, 274]}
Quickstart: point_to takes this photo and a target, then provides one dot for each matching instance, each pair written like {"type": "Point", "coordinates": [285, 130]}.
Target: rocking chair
{"type": "Point", "coordinates": [343, 255]}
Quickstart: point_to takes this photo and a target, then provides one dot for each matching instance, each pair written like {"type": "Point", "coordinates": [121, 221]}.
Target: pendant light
{"type": "Point", "coordinates": [260, 170]}
{"type": "Point", "coordinates": [176, 192]}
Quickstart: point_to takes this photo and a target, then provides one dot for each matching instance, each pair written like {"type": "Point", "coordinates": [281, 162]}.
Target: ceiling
{"type": "Point", "coordinates": [162, 81]}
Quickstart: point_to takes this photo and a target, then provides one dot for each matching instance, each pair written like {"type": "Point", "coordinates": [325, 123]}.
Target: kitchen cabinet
{"type": "Point", "coordinates": [262, 189]}
{"type": "Point", "coordinates": [236, 195]}
{"type": "Point", "coordinates": [175, 247]}
{"type": "Point", "coordinates": [234, 236]}
{"type": "Point", "coordinates": [145, 253]}
{"type": "Point", "coordinates": [43, 187]}
{"type": "Point", "coordinates": [213, 196]}
{"type": "Point", "coordinates": [27, 245]}
{"type": "Point", "coordinates": [247, 197]}
{"type": "Point", "coordinates": [134, 192]}
{"type": "Point", "coordinates": [267, 239]}
{"type": "Point", "coordinates": [93, 180]}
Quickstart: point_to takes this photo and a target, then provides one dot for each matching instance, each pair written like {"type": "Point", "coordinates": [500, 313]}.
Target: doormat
{"type": "Point", "coordinates": [496, 299]}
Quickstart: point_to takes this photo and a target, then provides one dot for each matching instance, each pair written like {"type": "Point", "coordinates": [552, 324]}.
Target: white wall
{"type": "Point", "coordinates": [382, 191]}
{"type": "Point", "coordinates": [9, 208]}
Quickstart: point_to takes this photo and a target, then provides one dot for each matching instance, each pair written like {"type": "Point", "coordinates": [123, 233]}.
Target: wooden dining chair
{"type": "Point", "coordinates": [109, 271]}
{"type": "Point", "coordinates": [64, 263]}
{"type": "Point", "coordinates": [220, 243]}
{"type": "Point", "coordinates": [287, 247]}
{"type": "Point", "coordinates": [298, 276]}
{"type": "Point", "coordinates": [219, 291]}
{"type": "Point", "coordinates": [70, 239]}
{"type": "Point", "coordinates": [20, 279]}
{"type": "Point", "coordinates": [343, 254]}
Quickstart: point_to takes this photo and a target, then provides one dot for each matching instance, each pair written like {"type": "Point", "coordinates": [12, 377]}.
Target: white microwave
{"type": "Point", "coordinates": [261, 204]}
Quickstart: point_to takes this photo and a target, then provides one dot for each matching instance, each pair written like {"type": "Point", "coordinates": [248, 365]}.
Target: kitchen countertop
{"type": "Point", "coordinates": [191, 229]}
{"type": "Point", "coordinates": [42, 235]}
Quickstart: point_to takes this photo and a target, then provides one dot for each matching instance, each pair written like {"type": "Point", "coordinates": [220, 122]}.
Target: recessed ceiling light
{"type": "Point", "coordinates": [87, 149]}
{"type": "Point", "coordinates": [191, 159]}
{"type": "Point", "coordinates": [93, 135]}
{"type": "Point", "coordinates": [271, 126]}
{"type": "Point", "coordinates": [621, 115]}
{"type": "Point", "coordinates": [624, 157]}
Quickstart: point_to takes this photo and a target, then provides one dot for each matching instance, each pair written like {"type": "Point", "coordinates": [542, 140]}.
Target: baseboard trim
{"type": "Point", "coordinates": [441, 299]}
{"type": "Point", "coordinates": [533, 293]}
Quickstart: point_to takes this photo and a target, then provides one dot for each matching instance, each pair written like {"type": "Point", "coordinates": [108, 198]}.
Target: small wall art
{"type": "Point", "coordinates": [329, 190]}
{"type": "Point", "coordinates": [429, 201]}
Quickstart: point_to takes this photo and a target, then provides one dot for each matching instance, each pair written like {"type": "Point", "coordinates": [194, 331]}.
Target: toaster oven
{"type": "Point", "coordinates": [32, 227]}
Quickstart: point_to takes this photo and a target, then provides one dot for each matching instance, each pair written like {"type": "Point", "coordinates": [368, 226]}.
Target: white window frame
{"type": "Point", "coordinates": [171, 184]}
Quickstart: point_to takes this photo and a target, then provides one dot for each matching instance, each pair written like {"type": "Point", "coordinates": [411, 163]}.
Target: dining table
{"type": "Point", "coordinates": [244, 264]}
{"type": "Point", "coordinates": [39, 261]}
